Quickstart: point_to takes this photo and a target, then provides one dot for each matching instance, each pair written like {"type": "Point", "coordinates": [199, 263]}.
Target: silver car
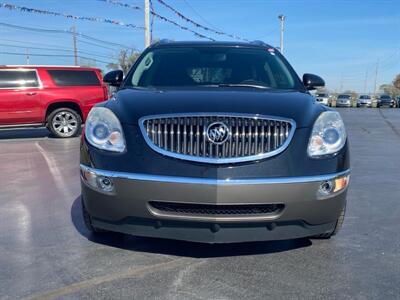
{"type": "Point", "coordinates": [343, 100]}
{"type": "Point", "coordinates": [364, 100]}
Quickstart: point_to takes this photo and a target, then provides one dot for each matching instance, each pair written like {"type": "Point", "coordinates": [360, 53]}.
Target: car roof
{"type": "Point", "coordinates": [169, 43]}
{"type": "Point", "coordinates": [47, 67]}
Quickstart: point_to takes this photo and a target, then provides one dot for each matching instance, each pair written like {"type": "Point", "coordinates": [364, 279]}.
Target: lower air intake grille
{"type": "Point", "coordinates": [216, 210]}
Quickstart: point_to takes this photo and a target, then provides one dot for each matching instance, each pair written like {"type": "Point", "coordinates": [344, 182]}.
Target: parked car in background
{"type": "Point", "coordinates": [322, 98]}
{"type": "Point", "coordinates": [385, 100]}
{"type": "Point", "coordinates": [214, 142]}
{"type": "Point", "coordinates": [343, 100]}
{"type": "Point", "coordinates": [398, 101]}
{"type": "Point", "coordinates": [364, 100]}
{"type": "Point", "coordinates": [53, 96]}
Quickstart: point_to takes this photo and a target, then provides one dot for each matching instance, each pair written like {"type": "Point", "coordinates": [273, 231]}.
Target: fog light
{"type": "Point", "coordinates": [96, 181]}
{"type": "Point", "coordinates": [105, 183]}
{"type": "Point", "coordinates": [326, 187]}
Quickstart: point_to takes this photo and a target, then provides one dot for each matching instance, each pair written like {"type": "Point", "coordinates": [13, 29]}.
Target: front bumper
{"type": "Point", "coordinates": [127, 208]}
{"type": "Point", "coordinates": [323, 101]}
{"type": "Point", "coordinates": [340, 104]}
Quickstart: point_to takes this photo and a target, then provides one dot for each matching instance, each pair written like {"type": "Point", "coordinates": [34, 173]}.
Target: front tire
{"type": "Point", "coordinates": [338, 226]}
{"type": "Point", "coordinates": [64, 123]}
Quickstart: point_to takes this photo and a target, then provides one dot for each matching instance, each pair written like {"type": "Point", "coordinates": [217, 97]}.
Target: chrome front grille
{"type": "Point", "coordinates": [190, 136]}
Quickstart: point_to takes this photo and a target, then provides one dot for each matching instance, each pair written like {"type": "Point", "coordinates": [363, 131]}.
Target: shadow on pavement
{"type": "Point", "coordinates": [31, 133]}
{"type": "Point", "coordinates": [182, 248]}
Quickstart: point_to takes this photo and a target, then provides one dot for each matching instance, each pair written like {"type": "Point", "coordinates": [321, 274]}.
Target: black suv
{"type": "Point", "coordinates": [386, 100]}
{"type": "Point", "coordinates": [214, 142]}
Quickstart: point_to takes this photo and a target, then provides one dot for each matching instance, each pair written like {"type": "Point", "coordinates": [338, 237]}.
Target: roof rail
{"type": "Point", "coordinates": [259, 43]}
{"type": "Point", "coordinates": [163, 41]}
{"type": "Point", "coordinates": [45, 66]}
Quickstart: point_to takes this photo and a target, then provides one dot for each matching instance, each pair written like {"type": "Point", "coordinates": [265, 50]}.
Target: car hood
{"type": "Point", "coordinates": [132, 104]}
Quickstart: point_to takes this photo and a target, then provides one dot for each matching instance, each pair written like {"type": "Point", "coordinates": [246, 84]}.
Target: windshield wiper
{"type": "Point", "coordinates": [254, 86]}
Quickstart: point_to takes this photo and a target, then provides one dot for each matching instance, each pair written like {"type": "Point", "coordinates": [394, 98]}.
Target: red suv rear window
{"type": "Point", "coordinates": [74, 78]}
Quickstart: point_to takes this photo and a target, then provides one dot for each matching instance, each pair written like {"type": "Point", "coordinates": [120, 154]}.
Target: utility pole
{"type": "Point", "coordinates": [341, 83]}
{"type": "Point", "coordinates": [282, 21]}
{"type": "Point", "coordinates": [27, 56]}
{"type": "Point", "coordinates": [376, 76]}
{"type": "Point", "coordinates": [365, 83]}
{"type": "Point", "coordinates": [73, 30]}
{"type": "Point", "coordinates": [147, 40]}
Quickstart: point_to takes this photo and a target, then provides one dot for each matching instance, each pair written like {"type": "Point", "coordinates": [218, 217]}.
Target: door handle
{"type": "Point", "coordinates": [31, 93]}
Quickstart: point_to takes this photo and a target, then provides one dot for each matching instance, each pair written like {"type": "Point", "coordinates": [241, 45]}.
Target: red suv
{"type": "Point", "coordinates": [56, 97]}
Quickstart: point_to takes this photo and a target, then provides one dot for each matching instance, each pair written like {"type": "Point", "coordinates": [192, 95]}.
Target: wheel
{"type": "Point", "coordinates": [64, 123]}
{"type": "Point", "coordinates": [338, 226]}
{"type": "Point", "coordinates": [88, 221]}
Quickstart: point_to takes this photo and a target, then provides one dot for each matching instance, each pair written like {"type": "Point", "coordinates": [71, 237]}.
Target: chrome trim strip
{"type": "Point", "coordinates": [217, 114]}
{"type": "Point", "coordinates": [18, 126]}
{"type": "Point", "coordinates": [208, 181]}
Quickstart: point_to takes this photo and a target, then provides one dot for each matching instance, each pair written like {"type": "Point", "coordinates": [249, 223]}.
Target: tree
{"type": "Point", "coordinates": [353, 94]}
{"type": "Point", "coordinates": [126, 59]}
{"type": "Point", "coordinates": [390, 89]}
{"type": "Point", "coordinates": [396, 82]}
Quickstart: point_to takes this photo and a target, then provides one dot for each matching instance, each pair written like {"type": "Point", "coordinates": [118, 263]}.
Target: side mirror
{"type": "Point", "coordinates": [114, 78]}
{"type": "Point", "coordinates": [311, 81]}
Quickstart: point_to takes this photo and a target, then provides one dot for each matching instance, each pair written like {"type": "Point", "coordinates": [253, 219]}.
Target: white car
{"type": "Point", "coordinates": [364, 100]}
{"type": "Point", "coordinates": [322, 98]}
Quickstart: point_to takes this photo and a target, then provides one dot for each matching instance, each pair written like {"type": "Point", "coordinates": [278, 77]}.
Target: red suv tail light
{"type": "Point", "coordinates": [105, 92]}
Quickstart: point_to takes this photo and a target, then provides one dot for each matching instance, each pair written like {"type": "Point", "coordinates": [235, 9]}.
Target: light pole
{"type": "Point", "coordinates": [147, 23]}
{"type": "Point", "coordinates": [282, 21]}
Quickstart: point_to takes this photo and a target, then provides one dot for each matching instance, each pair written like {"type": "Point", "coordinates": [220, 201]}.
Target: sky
{"type": "Point", "coordinates": [345, 42]}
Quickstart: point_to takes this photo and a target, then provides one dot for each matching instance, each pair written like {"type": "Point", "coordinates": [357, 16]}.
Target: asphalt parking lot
{"type": "Point", "coordinates": [46, 253]}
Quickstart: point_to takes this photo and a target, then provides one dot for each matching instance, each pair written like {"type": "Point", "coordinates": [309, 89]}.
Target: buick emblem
{"type": "Point", "coordinates": [217, 133]}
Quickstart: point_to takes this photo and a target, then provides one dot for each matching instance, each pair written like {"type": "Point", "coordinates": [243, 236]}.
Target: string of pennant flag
{"type": "Point", "coordinates": [118, 3]}
{"type": "Point", "coordinates": [180, 26]}
{"type": "Point", "coordinates": [180, 15]}
{"type": "Point", "coordinates": [69, 16]}
{"type": "Point", "coordinates": [129, 25]}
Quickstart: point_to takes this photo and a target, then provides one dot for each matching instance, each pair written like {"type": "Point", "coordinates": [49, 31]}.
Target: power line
{"type": "Point", "coordinates": [53, 49]}
{"type": "Point", "coordinates": [200, 16]}
{"type": "Point", "coordinates": [46, 30]}
{"type": "Point", "coordinates": [97, 45]}
{"type": "Point", "coordinates": [50, 47]}
{"type": "Point", "coordinates": [54, 55]}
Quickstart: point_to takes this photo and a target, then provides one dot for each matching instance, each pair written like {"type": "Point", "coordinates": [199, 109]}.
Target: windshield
{"type": "Point", "coordinates": [344, 97]}
{"type": "Point", "coordinates": [385, 97]}
{"type": "Point", "coordinates": [213, 66]}
{"type": "Point", "coordinates": [322, 95]}
{"type": "Point", "coordinates": [365, 97]}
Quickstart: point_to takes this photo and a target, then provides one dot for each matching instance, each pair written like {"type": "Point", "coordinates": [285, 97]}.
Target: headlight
{"type": "Point", "coordinates": [103, 130]}
{"type": "Point", "coordinates": [328, 135]}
